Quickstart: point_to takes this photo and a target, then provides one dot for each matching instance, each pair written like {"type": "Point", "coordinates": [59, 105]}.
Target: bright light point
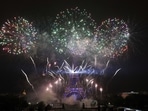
{"type": "Point", "coordinates": [49, 65]}
{"type": "Point", "coordinates": [29, 103]}
{"type": "Point", "coordinates": [96, 85]}
{"type": "Point", "coordinates": [86, 80]}
{"type": "Point", "coordinates": [55, 63]}
{"type": "Point", "coordinates": [50, 85]}
{"type": "Point", "coordinates": [43, 74]}
{"type": "Point", "coordinates": [59, 79]}
{"type": "Point", "coordinates": [101, 89]}
{"type": "Point", "coordinates": [56, 82]}
{"type": "Point", "coordinates": [47, 89]}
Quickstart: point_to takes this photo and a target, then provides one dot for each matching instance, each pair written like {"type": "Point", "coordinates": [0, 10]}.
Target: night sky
{"type": "Point", "coordinates": [134, 75]}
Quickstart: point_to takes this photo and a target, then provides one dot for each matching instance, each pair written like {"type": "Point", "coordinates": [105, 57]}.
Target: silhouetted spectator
{"type": "Point", "coordinates": [48, 107]}
{"type": "Point", "coordinates": [83, 105]}
{"type": "Point", "coordinates": [63, 106]}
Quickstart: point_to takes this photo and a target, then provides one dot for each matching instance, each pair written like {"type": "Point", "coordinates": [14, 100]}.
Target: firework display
{"type": "Point", "coordinates": [72, 30]}
{"type": "Point", "coordinates": [73, 34]}
{"type": "Point", "coordinates": [17, 36]}
{"type": "Point", "coordinates": [111, 38]}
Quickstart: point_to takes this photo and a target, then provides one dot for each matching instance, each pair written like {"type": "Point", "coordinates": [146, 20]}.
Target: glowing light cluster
{"type": "Point", "coordinates": [111, 38]}
{"type": "Point", "coordinates": [83, 68]}
{"type": "Point", "coordinates": [65, 70]}
{"type": "Point", "coordinates": [72, 30]}
{"type": "Point", "coordinates": [17, 36]}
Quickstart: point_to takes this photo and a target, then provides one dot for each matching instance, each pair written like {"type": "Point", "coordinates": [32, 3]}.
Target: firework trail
{"type": "Point", "coordinates": [116, 72]}
{"type": "Point", "coordinates": [27, 79]}
{"type": "Point", "coordinates": [51, 73]}
{"type": "Point", "coordinates": [33, 64]}
{"type": "Point", "coordinates": [106, 66]}
{"type": "Point", "coordinates": [69, 69]}
{"type": "Point", "coordinates": [90, 81]}
{"type": "Point", "coordinates": [48, 65]}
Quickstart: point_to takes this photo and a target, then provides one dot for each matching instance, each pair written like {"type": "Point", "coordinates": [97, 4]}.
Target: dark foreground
{"type": "Point", "coordinates": [132, 102]}
{"type": "Point", "coordinates": [85, 108]}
